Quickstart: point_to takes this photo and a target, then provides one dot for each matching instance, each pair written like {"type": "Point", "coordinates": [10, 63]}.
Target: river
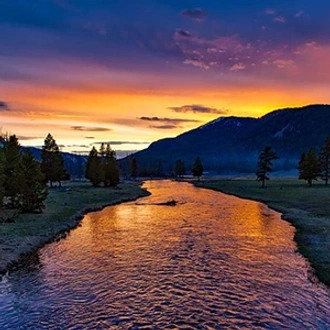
{"type": "Point", "coordinates": [213, 261]}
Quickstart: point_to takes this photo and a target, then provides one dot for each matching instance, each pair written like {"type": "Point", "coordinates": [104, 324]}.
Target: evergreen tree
{"type": "Point", "coordinates": [93, 170]}
{"type": "Point", "coordinates": [33, 190]}
{"type": "Point", "coordinates": [52, 164]}
{"type": "Point", "coordinates": [2, 175]}
{"type": "Point", "coordinates": [12, 170]}
{"type": "Point", "coordinates": [134, 168]}
{"type": "Point", "coordinates": [197, 168]}
{"type": "Point", "coordinates": [180, 168]}
{"type": "Point", "coordinates": [111, 171]}
{"type": "Point", "coordinates": [265, 164]}
{"type": "Point", "coordinates": [309, 166]}
{"type": "Point", "coordinates": [325, 160]}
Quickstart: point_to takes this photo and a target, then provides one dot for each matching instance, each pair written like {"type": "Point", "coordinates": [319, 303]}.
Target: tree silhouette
{"type": "Point", "coordinates": [265, 164]}
{"type": "Point", "coordinates": [180, 168]}
{"type": "Point", "coordinates": [110, 168]}
{"type": "Point", "coordinates": [2, 175]}
{"type": "Point", "coordinates": [33, 190]}
{"type": "Point", "coordinates": [52, 164]}
{"type": "Point", "coordinates": [325, 161]}
{"type": "Point", "coordinates": [197, 168]}
{"type": "Point", "coordinates": [309, 166]}
{"type": "Point", "coordinates": [93, 170]}
{"type": "Point", "coordinates": [12, 169]}
{"type": "Point", "coordinates": [134, 168]}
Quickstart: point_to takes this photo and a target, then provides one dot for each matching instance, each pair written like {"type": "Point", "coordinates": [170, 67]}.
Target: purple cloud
{"type": "Point", "coordinates": [196, 108]}
{"type": "Point", "coordinates": [195, 14]}
{"type": "Point", "coordinates": [4, 106]}
{"type": "Point", "coordinates": [170, 120]}
{"type": "Point", "coordinates": [90, 129]}
{"type": "Point", "coordinates": [165, 126]}
{"type": "Point", "coordinates": [183, 33]}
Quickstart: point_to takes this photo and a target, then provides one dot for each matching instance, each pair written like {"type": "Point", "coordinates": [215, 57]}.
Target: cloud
{"type": "Point", "coordinates": [299, 13]}
{"type": "Point", "coordinates": [170, 120]}
{"type": "Point", "coordinates": [117, 143]}
{"type": "Point", "coordinates": [284, 64]}
{"type": "Point", "coordinates": [90, 129]}
{"type": "Point", "coordinates": [197, 14]}
{"type": "Point", "coordinates": [197, 64]}
{"type": "Point", "coordinates": [183, 33]}
{"type": "Point", "coordinates": [196, 108]}
{"type": "Point", "coordinates": [27, 138]}
{"type": "Point", "coordinates": [279, 19]}
{"type": "Point", "coordinates": [237, 67]}
{"type": "Point", "coordinates": [270, 11]}
{"type": "Point", "coordinates": [89, 137]}
{"type": "Point", "coordinates": [165, 126]}
{"type": "Point", "coordinates": [4, 106]}
{"type": "Point", "coordinates": [215, 53]}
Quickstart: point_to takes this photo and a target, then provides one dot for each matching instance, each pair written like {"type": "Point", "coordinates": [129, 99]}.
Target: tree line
{"type": "Point", "coordinates": [23, 179]}
{"type": "Point", "coordinates": [102, 167]}
{"type": "Point", "coordinates": [178, 169]}
{"type": "Point", "coordinates": [311, 166]}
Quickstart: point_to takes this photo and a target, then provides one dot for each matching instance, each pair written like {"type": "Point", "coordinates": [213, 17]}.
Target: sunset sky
{"type": "Point", "coordinates": [131, 72]}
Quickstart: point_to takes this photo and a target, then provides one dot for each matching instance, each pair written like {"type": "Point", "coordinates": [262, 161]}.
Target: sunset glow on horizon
{"type": "Point", "coordinates": [131, 73]}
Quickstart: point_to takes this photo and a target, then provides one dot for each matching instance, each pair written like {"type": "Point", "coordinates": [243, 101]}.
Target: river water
{"type": "Point", "coordinates": [213, 261]}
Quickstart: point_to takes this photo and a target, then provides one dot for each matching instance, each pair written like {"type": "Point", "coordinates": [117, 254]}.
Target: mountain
{"type": "Point", "coordinates": [74, 164]}
{"type": "Point", "coordinates": [233, 144]}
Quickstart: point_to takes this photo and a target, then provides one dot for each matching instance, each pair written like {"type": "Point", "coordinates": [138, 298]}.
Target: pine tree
{"type": "Point", "coordinates": [134, 168]}
{"type": "Point", "coordinates": [93, 170]}
{"type": "Point", "coordinates": [265, 164]}
{"type": "Point", "coordinates": [33, 190]}
{"type": "Point", "coordinates": [325, 160]}
{"type": "Point", "coordinates": [111, 171]}
{"type": "Point", "coordinates": [180, 168]}
{"type": "Point", "coordinates": [2, 175]}
{"type": "Point", "coordinates": [52, 162]}
{"type": "Point", "coordinates": [309, 166]}
{"type": "Point", "coordinates": [12, 170]}
{"type": "Point", "coordinates": [197, 168]}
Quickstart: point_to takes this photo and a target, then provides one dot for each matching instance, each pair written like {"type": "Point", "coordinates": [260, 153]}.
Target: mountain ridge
{"type": "Point", "coordinates": [233, 143]}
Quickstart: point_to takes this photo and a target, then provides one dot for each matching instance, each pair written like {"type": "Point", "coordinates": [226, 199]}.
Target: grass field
{"type": "Point", "coordinates": [308, 209]}
{"type": "Point", "coordinates": [64, 209]}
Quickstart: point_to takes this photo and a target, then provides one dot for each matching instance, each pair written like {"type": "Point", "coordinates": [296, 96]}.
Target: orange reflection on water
{"type": "Point", "coordinates": [211, 261]}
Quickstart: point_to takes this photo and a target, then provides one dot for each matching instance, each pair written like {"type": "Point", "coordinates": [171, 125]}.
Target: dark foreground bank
{"type": "Point", "coordinates": [308, 209]}
{"type": "Point", "coordinates": [64, 210]}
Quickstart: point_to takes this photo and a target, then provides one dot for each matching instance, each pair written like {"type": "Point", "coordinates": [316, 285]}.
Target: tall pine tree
{"type": "Point", "coordinates": [309, 166]}
{"type": "Point", "coordinates": [33, 190]}
{"type": "Point", "coordinates": [325, 161]}
{"type": "Point", "coordinates": [134, 168]}
{"type": "Point", "coordinates": [52, 164]}
{"type": "Point", "coordinates": [2, 175]}
{"type": "Point", "coordinates": [180, 168]}
{"type": "Point", "coordinates": [197, 168]}
{"type": "Point", "coordinates": [93, 171]}
{"type": "Point", "coordinates": [12, 170]}
{"type": "Point", "coordinates": [265, 164]}
{"type": "Point", "coordinates": [110, 168]}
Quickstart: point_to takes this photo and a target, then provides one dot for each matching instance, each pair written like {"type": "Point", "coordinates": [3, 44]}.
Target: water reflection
{"type": "Point", "coordinates": [212, 261]}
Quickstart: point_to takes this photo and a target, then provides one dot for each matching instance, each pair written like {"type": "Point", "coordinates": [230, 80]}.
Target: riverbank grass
{"type": "Point", "coordinates": [65, 207]}
{"type": "Point", "coordinates": [307, 208]}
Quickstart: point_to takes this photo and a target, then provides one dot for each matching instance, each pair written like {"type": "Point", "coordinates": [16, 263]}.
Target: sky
{"type": "Point", "coordinates": [130, 72]}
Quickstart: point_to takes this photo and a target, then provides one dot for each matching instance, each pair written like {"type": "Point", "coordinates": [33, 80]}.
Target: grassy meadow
{"type": "Point", "coordinates": [65, 207]}
{"type": "Point", "coordinates": [307, 208]}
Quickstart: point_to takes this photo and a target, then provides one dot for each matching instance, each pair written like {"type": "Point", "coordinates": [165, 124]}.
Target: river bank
{"type": "Point", "coordinates": [307, 209]}
{"type": "Point", "coordinates": [65, 208]}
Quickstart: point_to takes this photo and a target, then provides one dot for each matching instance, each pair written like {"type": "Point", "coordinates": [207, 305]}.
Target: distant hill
{"type": "Point", "coordinates": [74, 164]}
{"type": "Point", "coordinates": [232, 144]}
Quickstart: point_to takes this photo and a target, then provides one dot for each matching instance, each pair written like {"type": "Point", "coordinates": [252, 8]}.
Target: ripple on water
{"type": "Point", "coordinates": [211, 262]}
